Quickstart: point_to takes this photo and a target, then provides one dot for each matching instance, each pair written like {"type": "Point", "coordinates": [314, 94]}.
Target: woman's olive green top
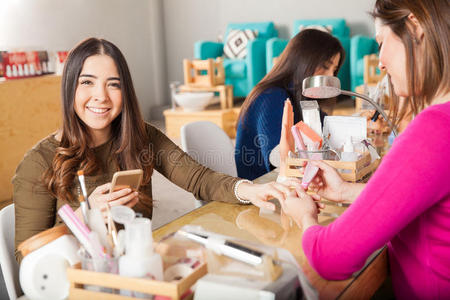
{"type": "Point", "coordinates": [36, 209]}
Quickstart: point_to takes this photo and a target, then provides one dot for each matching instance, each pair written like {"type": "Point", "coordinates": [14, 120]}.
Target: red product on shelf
{"type": "Point", "coordinates": [60, 59]}
{"type": "Point", "coordinates": [34, 65]}
{"type": "Point", "coordinates": [17, 61]}
{"type": "Point", "coordinates": [62, 55]}
{"type": "Point", "coordinates": [14, 65]}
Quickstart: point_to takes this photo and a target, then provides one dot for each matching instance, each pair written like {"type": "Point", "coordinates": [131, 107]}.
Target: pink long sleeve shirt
{"type": "Point", "coordinates": [406, 205]}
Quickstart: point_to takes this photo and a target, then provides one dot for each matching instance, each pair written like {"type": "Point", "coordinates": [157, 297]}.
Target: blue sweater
{"type": "Point", "coordinates": [259, 132]}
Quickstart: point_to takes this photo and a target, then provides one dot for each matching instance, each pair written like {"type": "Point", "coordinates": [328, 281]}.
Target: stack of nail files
{"type": "Point", "coordinates": [311, 139]}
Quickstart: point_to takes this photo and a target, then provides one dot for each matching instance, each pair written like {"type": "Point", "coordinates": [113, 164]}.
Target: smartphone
{"type": "Point", "coordinates": [126, 179]}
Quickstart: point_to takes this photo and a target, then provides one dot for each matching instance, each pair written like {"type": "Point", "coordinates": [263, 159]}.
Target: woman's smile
{"type": "Point", "coordinates": [98, 110]}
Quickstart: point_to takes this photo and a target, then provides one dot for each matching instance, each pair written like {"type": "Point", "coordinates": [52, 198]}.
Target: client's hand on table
{"type": "Point", "coordinates": [301, 207]}
{"type": "Point", "coordinates": [259, 194]}
{"type": "Point", "coordinates": [101, 198]}
{"type": "Point", "coordinates": [330, 185]}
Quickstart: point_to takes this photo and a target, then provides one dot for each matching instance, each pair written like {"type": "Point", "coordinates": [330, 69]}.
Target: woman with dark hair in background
{"type": "Point", "coordinates": [310, 52]}
{"type": "Point", "coordinates": [103, 132]}
{"type": "Point", "coordinates": [406, 203]}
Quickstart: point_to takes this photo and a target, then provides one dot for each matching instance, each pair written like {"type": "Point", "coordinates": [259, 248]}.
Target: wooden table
{"type": "Point", "coordinates": [244, 222]}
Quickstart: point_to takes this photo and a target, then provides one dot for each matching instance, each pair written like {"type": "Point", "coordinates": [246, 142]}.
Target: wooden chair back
{"type": "Point", "coordinates": [204, 73]}
{"type": "Point", "coordinates": [371, 76]}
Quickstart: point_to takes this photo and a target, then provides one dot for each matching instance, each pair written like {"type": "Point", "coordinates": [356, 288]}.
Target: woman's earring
{"type": "Point", "coordinates": [416, 40]}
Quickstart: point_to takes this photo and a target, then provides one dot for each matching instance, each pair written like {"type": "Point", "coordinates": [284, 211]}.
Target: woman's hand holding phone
{"type": "Point", "coordinates": [101, 197]}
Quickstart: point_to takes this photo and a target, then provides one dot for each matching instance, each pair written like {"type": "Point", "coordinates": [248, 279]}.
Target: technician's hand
{"type": "Point", "coordinates": [377, 126]}
{"type": "Point", "coordinates": [328, 183]}
{"type": "Point", "coordinates": [101, 197]}
{"type": "Point", "coordinates": [259, 194]}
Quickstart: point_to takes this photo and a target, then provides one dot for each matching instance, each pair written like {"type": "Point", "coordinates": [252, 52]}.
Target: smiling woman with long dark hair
{"type": "Point", "coordinates": [103, 132]}
{"type": "Point", "coordinates": [310, 52]}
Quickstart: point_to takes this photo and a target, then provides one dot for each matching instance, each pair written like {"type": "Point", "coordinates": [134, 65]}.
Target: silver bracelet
{"type": "Point", "coordinates": [236, 185]}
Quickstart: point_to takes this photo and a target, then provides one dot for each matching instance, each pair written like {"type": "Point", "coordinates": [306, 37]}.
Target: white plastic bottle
{"type": "Point", "coordinates": [348, 153]}
{"type": "Point", "coordinates": [8, 71]}
{"type": "Point", "coordinates": [14, 71]}
{"type": "Point", "coordinates": [25, 70]}
{"type": "Point", "coordinates": [20, 70]}
{"type": "Point", "coordinates": [139, 260]}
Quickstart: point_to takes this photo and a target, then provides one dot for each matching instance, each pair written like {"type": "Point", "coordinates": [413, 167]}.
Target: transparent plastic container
{"type": "Point", "coordinates": [104, 265]}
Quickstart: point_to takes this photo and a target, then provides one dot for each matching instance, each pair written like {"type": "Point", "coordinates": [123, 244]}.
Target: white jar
{"type": "Point", "coordinates": [139, 260]}
{"type": "Point", "coordinates": [47, 255]}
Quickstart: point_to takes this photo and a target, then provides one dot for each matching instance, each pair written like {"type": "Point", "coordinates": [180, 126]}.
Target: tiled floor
{"type": "Point", "coordinates": [170, 201]}
{"type": "Point", "coordinates": [166, 195]}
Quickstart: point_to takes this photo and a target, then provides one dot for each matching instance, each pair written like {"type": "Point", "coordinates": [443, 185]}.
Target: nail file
{"type": "Point", "coordinates": [310, 169]}
{"type": "Point", "coordinates": [298, 141]}
{"type": "Point", "coordinates": [309, 136]}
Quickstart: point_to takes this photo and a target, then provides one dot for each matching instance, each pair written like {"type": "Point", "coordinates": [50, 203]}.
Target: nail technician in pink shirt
{"type": "Point", "coordinates": [406, 203]}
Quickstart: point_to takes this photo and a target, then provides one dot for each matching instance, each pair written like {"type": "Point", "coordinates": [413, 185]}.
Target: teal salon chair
{"type": "Point", "coordinates": [360, 46]}
{"type": "Point", "coordinates": [338, 28]}
{"type": "Point", "coordinates": [244, 73]}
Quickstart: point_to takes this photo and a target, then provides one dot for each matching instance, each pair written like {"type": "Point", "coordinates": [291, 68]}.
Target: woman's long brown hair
{"type": "Point", "coordinates": [429, 74]}
{"type": "Point", "coordinates": [308, 50]}
{"type": "Point", "coordinates": [128, 133]}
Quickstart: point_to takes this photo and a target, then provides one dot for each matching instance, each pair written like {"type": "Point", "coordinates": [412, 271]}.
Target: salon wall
{"type": "Point", "coordinates": [155, 35]}
{"type": "Point", "coordinates": [135, 26]}
{"type": "Point", "coordinates": [188, 21]}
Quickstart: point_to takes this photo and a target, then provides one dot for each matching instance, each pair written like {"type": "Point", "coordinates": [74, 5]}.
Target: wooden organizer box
{"type": "Point", "coordinates": [354, 170]}
{"type": "Point", "coordinates": [175, 289]}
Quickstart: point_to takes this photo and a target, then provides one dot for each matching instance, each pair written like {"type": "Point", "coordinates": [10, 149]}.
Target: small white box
{"type": "Point", "coordinates": [337, 129]}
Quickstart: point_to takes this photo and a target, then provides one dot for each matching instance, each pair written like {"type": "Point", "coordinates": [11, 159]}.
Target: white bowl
{"type": "Point", "coordinates": [193, 101]}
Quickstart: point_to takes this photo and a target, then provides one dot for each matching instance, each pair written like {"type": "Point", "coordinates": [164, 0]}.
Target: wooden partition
{"type": "Point", "coordinates": [30, 110]}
